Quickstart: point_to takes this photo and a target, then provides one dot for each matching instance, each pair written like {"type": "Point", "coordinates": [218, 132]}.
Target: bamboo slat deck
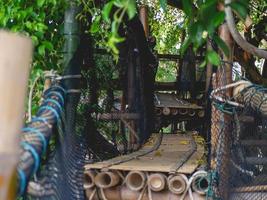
{"type": "Point", "coordinates": [173, 147]}
{"type": "Point", "coordinates": [172, 101]}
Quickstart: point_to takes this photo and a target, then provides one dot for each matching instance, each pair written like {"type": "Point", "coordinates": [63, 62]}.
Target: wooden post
{"type": "Point", "coordinates": [143, 15]}
{"type": "Point", "coordinates": [131, 95]}
{"type": "Point", "coordinates": [15, 59]}
{"type": "Point", "coordinates": [220, 128]}
{"type": "Point", "coordinates": [208, 72]}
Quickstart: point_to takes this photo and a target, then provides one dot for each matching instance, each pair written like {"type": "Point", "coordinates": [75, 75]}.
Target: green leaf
{"type": "Point", "coordinates": [48, 45]}
{"type": "Point", "coordinates": [95, 25]}
{"type": "Point", "coordinates": [163, 4]}
{"type": "Point", "coordinates": [35, 40]}
{"type": "Point", "coordinates": [131, 9]}
{"type": "Point", "coordinates": [187, 7]}
{"type": "Point", "coordinates": [40, 3]}
{"type": "Point", "coordinates": [240, 9]}
{"type": "Point", "coordinates": [106, 11]}
{"type": "Point", "coordinates": [120, 3]}
{"type": "Point", "coordinates": [195, 32]}
{"type": "Point", "coordinates": [222, 45]}
{"type": "Point", "coordinates": [218, 18]}
{"type": "Point", "coordinates": [28, 25]}
{"type": "Point", "coordinates": [203, 64]}
{"type": "Point", "coordinates": [41, 50]}
{"type": "Point", "coordinates": [213, 58]}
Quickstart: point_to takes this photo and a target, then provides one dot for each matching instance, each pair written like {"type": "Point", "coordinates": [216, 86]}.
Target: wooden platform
{"type": "Point", "coordinates": [172, 101]}
{"type": "Point", "coordinates": [173, 148]}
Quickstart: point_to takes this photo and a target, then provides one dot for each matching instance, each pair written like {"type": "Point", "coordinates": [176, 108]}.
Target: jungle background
{"type": "Point", "coordinates": [174, 30]}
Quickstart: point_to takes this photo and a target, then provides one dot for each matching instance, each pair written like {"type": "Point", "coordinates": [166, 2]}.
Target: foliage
{"type": "Point", "coordinates": [42, 21]}
{"type": "Point", "coordinates": [201, 21]}
{"type": "Point", "coordinates": [106, 22]}
{"type": "Point", "coordinates": [198, 20]}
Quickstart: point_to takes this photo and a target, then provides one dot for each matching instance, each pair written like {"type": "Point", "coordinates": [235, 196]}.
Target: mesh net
{"type": "Point", "coordinates": [238, 140]}
{"type": "Point", "coordinates": [74, 144]}
{"type": "Point", "coordinates": [77, 136]}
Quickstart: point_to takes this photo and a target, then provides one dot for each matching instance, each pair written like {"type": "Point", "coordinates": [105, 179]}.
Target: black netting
{"type": "Point", "coordinates": [238, 140]}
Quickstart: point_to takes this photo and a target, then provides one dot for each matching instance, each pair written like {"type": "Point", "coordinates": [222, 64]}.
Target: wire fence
{"type": "Point", "coordinates": [238, 140]}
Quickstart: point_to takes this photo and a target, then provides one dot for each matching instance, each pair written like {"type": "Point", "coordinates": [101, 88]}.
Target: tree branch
{"type": "Point", "coordinates": [237, 37]}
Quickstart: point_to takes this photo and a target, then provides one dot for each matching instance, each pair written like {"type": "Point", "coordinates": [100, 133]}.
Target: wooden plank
{"type": "Point", "coordinates": [172, 101]}
{"type": "Point", "coordinates": [163, 159]}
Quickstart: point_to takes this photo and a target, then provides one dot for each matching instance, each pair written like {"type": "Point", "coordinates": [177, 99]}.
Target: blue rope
{"type": "Point", "coordinates": [42, 108]}
{"type": "Point", "coordinates": [28, 147]}
{"type": "Point", "coordinates": [56, 93]}
{"type": "Point", "coordinates": [55, 102]}
{"type": "Point", "coordinates": [39, 134]}
{"type": "Point", "coordinates": [61, 88]}
{"type": "Point", "coordinates": [40, 119]}
{"type": "Point", "coordinates": [23, 181]}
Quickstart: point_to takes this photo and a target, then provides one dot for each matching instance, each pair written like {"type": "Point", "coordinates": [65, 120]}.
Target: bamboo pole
{"type": "Point", "coordinates": [221, 131]}
{"type": "Point", "coordinates": [143, 15]}
{"type": "Point", "coordinates": [15, 59]}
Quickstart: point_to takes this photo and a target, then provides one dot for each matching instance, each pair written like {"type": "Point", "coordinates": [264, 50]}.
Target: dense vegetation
{"type": "Point", "coordinates": [195, 23]}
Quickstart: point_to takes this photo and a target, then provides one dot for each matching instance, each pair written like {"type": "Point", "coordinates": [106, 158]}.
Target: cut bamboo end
{"type": "Point", "coordinates": [174, 111]}
{"type": "Point", "coordinates": [178, 183]}
{"type": "Point", "coordinates": [191, 113]}
{"type": "Point", "coordinates": [157, 182]}
{"type": "Point", "coordinates": [183, 111]}
{"type": "Point", "coordinates": [201, 113]}
{"type": "Point", "coordinates": [135, 180]}
{"type": "Point", "coordinates": [89, 179]}
{"type": "Point", "coordinates": [166, 111]}
{"type": "Point", "coordinates": [107, 179]}
{"type": "Point", "coordinates": [200, 183]}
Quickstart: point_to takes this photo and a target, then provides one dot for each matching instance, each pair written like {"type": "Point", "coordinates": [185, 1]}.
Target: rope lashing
{"type": "Point", "coordinates": [22, 180]}
{"type": "Point", "coordinates": [36, 134]}
{"type": "Point", "coordinates": [56, 94]}
{"type": "Point", "coordinates": [50, 108]}
{"type": "Point", "coordinates": [55, 102]}
{"type": "Point", "coordinates": [39, 134]}
{"type": "Point", "coordinates": [28, 147]}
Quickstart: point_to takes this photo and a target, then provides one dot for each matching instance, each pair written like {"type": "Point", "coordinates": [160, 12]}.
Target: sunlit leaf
{"type": "Point", "coordinates": [131, 9]}
{"type": "Point", "coordinates": [213, 58]}
{"type": "Point", "coordinates": [41, 50]}
{"type": "Point", "coordinates": [95, 25]}
{"type": "Point", "coordinates": [48, 45]}
{"type": "Point", "coordinates": [106, 10]}
{"type": "Point", "coordinates": [40, 3]}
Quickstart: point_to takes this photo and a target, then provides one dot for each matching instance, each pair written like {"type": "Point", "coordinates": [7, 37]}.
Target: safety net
{"type": "Point", "coordinates": [238, 137]}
